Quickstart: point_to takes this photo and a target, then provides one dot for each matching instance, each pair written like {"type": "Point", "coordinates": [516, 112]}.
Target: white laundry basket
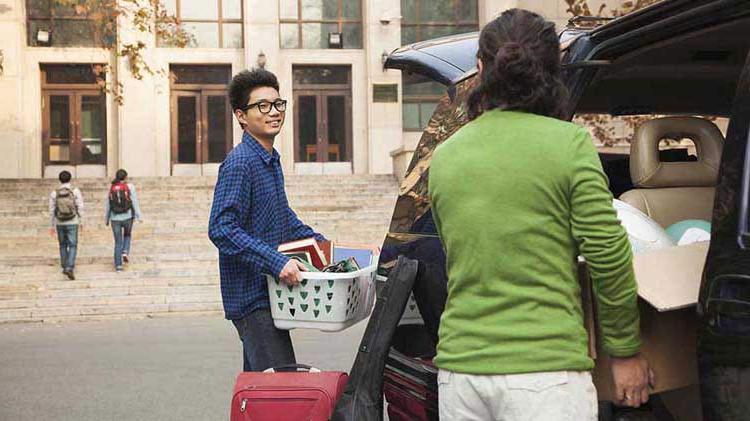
{"type": "Point", "coordinates": [325, 301]}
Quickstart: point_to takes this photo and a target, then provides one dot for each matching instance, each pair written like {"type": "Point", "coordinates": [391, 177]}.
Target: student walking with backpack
{"type": "Point", "coordinates": [66, 216]}
{"type": "Point", "coordinates": [121, 209]}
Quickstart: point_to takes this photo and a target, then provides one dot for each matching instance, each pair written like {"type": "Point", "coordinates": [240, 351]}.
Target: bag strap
{"type": "Point", "coordinates": [293, 367]}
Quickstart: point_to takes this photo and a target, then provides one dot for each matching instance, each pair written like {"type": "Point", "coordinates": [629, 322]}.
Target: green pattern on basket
{"type": "Point", "coordinates": [317, 290]}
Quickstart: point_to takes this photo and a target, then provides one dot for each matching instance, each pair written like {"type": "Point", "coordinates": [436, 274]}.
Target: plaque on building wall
{"type": "Point", "coordinates": [384, 92]}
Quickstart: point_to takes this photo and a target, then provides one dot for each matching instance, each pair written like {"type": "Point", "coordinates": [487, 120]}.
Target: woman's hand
{"type": "Point", "coordinates": [632, 377]}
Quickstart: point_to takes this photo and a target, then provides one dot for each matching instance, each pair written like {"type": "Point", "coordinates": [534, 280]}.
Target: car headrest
{"type": "Point", "coordinates": [647, 170]}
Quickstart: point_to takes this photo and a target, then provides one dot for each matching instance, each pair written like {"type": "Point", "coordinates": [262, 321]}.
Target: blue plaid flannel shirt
{"type": "Point", "coordinates": [250, 217]}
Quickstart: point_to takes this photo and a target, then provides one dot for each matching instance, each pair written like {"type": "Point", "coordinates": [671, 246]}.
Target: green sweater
{"type": "Point", "coordinates": [516, 197]}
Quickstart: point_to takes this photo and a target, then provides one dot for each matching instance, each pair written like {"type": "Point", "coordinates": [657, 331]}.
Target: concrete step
{"type": "Point", "coordinates": [144, 244]}
{"type": "Point", "coordinates": [115, 282]}
{"type": "Point", "coordinates": [150, 196]}
{"type": "Point", "coordinates": [90, 219]}
{"type": "Point", "coordinates": [102, 244]}
{"type": "Point", "coordinates": [140, 252]}
{"type": "Point", "coordinates": [150, 225]}
{"type": "Point", "coordinates": [163, 235]}
{"type": "Point", "coordinates": [109, 311]}
{"type": "Point", "coordinates": [173, 206]}
{"type": "Point", "coordinates": [104, 237]}
{"type": "Point", "coordinates": [105, 271]}
{"type": "Point", "coordinates": [331, 183]}
{"type": "Point", "coordinates": [202, 180]}
{"type": "Point", "coordinates": [208, 255]}
{"type": "Point", "coordinates": [11, 208]}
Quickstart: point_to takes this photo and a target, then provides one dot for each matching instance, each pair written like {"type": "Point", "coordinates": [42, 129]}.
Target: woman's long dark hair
{"type": "Point", "coordinates": [120, 176]}
{"type": "Point", "coordinates": [521, 71]}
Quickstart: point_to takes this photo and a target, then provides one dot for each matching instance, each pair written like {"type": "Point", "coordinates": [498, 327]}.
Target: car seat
{"type": "Point", "coordinates": [670, 192]}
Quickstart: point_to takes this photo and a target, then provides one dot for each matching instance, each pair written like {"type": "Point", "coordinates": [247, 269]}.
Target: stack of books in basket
{"type": "Point", "coordinates": [325, 257]}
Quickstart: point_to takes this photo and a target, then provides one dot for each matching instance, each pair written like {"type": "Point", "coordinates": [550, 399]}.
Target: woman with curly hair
{"type": "Point", "coordinates": [517, 194]}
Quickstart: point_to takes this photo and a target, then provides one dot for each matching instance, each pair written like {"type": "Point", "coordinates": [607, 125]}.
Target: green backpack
{"type": "Point", "coordinates": [65, 205]}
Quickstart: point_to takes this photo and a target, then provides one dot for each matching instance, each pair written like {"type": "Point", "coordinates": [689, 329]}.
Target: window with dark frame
{"type": "Point", "coordinates": [420, 98]}
{"type": "Point", "coordinates": [309, 23]}
{"type": "Point", "coordinates": [212, 23]}
{"type": "Point", "coordinates": [67, 25]}
{"type": "Point", "coordinates": [423, 20]}
{"type": "Point", "coordinates": [74, 114]}
{"type": "Point", "coordinates": [429, 19]}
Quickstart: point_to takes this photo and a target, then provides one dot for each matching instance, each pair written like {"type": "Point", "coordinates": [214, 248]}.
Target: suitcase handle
{"type": "Point", "coordinates": [296, 367]}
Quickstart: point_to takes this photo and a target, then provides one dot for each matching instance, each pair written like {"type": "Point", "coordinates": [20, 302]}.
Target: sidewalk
{"type": "Point", "coordinates": [142, 370]}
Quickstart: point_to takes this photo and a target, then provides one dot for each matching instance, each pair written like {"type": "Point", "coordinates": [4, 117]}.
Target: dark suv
{"type": "Point", "coordinates": [677, 58]}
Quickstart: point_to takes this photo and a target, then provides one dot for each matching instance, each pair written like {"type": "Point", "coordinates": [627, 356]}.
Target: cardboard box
{"type": "Point", "coordinates": [668, 285]}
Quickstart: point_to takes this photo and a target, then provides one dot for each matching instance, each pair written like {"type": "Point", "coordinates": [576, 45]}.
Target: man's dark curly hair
{"type": "Point", "coordinates": [244, 82]}
{"type": "Point", "coordinates": [64, 176]}
{"type": "Point", "coordinates": [521, 70]}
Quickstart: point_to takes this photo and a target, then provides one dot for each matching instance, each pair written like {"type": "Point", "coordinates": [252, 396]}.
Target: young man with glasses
{"type": "Point", "coordinates": [250, 217]}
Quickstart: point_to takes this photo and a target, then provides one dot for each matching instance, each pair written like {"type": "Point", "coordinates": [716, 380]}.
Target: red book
{"type": "Point", "coordinates": [327, 248]}
{"type": "Point", "coordinates": [308, 245]}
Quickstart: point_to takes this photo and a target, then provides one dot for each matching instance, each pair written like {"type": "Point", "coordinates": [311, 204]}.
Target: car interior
{"type": "Point", "coordinates": [669, 192]}
{"type": "Point", "coordinates": [671, 185]}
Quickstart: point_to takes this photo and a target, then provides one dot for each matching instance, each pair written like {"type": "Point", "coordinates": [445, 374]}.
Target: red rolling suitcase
{"type": "Point", "coordinates": [309, 395]}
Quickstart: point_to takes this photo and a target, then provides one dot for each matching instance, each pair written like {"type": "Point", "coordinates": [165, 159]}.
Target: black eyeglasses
{"type": "Point", "coordinates": [265, 107]}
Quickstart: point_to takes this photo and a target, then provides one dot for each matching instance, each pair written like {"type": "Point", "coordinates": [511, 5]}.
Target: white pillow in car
{"type": "Point", "coordinates": [643, 232]}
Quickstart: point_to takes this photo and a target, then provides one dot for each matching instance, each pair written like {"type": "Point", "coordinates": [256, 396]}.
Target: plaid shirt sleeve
{"type": "Point", "coordinates": [231, 206]}
{"type": "Point", "coordinates": [298, 230]}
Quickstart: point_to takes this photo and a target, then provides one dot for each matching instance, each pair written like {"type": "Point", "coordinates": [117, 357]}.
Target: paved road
{"type": "Point", "coordinates": [150, 369]}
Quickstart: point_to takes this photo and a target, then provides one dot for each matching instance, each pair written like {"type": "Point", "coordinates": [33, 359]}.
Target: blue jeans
{"type": "Point", "coordinates": [122, 231]}
{"type": "Point", "coordinates": [67, 237]}
{"type": "Point", "coordinates": [263, 346]}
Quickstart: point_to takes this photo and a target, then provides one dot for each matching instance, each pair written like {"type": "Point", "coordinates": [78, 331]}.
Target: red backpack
{"type": "Point", "coordinates": [119, 198]}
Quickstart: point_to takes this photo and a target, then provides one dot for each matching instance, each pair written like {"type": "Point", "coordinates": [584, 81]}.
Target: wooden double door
{"type": "Point", "coordinates": [74, 127]}
{"type": "Point", "coordinates": [323, 125]}
{"type": "Point", "coordinates": [322, 113]}
{"type": "Point", "coordinates": [201, 126]}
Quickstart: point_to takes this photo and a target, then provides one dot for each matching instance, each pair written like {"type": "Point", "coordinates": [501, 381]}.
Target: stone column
{"type": "Point", "coordinates": [261, 22]}
{"type": "Point", "coordinates": [135, 147]}
{"type": "Point", "coordinates": [382, 35]}
{"type": "Point", "coordinates": [16, 158]}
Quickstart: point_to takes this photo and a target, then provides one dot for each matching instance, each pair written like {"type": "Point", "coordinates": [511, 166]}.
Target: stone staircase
{"type": "Point", "coordinates": [173, 269]}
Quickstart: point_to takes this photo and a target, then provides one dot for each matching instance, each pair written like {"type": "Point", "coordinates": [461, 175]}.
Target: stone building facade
{"type": "Point", "coordinates": [346, 116]}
